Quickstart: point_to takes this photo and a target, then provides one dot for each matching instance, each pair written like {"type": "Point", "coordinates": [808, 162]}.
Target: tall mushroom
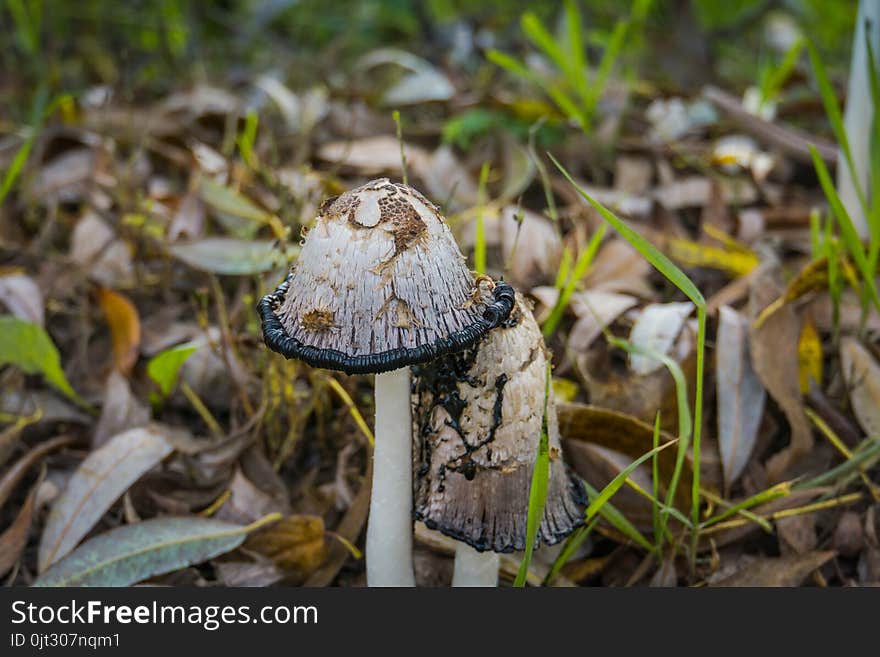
{"type": "Point", "coordinates": [380, 285]}
{"type": "Point", "coordinates": [478, 423]}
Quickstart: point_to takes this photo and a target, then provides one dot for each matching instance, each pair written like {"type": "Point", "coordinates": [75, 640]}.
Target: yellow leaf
{"type": "Point", "coordinates": [296, 544]}
{"type": "Point", "coordinates": [809, 356]}
{"type": "Point", "coordinates": [564, 390]}
{"type": "Point", "coordinates": [694, 254]}
{"type": "Point", "coordinates": [125, 328]}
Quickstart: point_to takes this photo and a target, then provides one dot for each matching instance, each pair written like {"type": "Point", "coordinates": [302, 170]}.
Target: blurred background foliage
{"type": "Point", "coordinates": [146, 47]}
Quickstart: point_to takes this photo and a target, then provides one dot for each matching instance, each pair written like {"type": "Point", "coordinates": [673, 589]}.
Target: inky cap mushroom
{"type": "Point", "coordinates": [477, 423]}
{"type": "Point", "coordinates": [379, 284]}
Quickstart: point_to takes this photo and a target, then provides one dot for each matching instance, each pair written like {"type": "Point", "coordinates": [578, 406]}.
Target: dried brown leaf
{"type": "Point", "coordinates": [862, 375]}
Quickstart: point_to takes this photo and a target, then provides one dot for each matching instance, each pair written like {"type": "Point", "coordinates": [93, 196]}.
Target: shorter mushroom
{"type": "Point", "coordinates": [477, 423]}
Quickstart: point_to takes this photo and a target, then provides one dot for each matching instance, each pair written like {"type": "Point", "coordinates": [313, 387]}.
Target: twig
{"type": "Point", "coordinates": [791, 141]}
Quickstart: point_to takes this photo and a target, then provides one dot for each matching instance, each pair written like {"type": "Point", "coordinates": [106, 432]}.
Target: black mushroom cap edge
{"type": "Point", "coordinates": [277, 339]}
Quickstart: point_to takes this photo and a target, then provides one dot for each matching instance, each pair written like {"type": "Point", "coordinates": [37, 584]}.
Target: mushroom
{"type": "Point", "coordinates": [477, 419]}
{"type": "Point", "coordinates": [380, 285]}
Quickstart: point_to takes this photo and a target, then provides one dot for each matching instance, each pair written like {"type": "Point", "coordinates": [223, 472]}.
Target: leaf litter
{"type": "Point", "coordinates": [142, 231]}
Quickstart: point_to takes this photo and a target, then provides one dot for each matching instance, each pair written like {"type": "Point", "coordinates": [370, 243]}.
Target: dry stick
{"type": "Point", "coordinates": [791, 141]}
{"type": "Point", "coordinates": [226, 344]}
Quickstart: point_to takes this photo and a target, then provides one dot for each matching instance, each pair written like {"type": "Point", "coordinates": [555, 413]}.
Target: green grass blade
{"type": "Point", "coordinates": [829, 100]}
{"type": "Point", "coordinates": [537, 490]}
{"type": "Point", "coordinates": [612, 515]}
{"type": "Point", "coordinates": [614, 485]}
{"type": "Point", "coordinates": [541, 38]}
{"type": "Point", "coordinates": [580, 269]}
{"type": "Point", "coordinates": [847, 229]}
{"type": "Point", "coordinates": [653, 255]}
{"type": "Point", "coordinates": [578, 76]}
{"type": "Point", "coordinates": [571, 546]}
{"type": "Point", "coordinates": [655, 485]}
{"type": "Point", "coordinates": [480, 228]}
{"type": "Point", "coordinates": [606, 64]}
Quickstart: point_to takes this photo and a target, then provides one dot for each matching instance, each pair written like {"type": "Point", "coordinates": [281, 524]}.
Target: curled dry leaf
{"type": "Point", "coordinates": [247, 503]}
{"type": "Point", "coordinates": [189, 219]}
{"type": "Point", "coordinates": [740, 394]}
{"type": "Point", "coordinates": [530, 249]}
{"type": "Point", "coordinates": [14, 474]}
{"type": "Point", "coordinates": [374, 155]}
{"type": "Point", "coordinates": [14, 539]}
{"type": "Point", "coordinates": [94, 247]}
{"type": "Point", "coordinates": [618, 267]}
{"type": "Point", "coordinates": [422, 82]}
{"type": "Point", "coordinates": [22, 296]}
{"type": "Point", "coordinates": [98, 482]}
{"type": "Point", "coordinates": [125, 328]}
{"type": "Point", "coordinates": [595, 310]}
{"type": "Point", "coordinates": [65, 179]}
{"type": "Point", "coordinates": [782, 571]}
{"type": "Point", "coordinates": [862, 375]}
{"type": "Point", "coordinates": [295, 543]}
{"type": "Point", "coordinates": [129, 554]}
{"type": "Point", "coordinates": [656, 329]}
{"type": "Point", "coordinates": [775, 360]}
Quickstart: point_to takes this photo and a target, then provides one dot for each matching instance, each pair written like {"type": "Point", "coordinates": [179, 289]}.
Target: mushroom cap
{"type": "Point", "coordinates": [477, 422]}
{"type": "Point", "coordinates": [380, 284]}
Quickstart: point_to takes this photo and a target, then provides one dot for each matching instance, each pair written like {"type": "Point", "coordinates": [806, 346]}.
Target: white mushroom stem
{"type": "Point", "coordinates": [390, 526]}
{"type": "Point", "coordinates": [474, 568]}
{"type": "Point", "coordinates": [858, 116]}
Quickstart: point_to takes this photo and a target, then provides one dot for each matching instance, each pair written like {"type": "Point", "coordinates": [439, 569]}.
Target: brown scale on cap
{"type": "Point", "coordinates": [477, 422]}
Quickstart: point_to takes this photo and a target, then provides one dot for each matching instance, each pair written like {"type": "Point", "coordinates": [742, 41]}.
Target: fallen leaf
{"type": "Point", "coordinates": [230, 256]}
{"type": "Point", "coordinates": [97, 483]}
{"type": "Point", "coordinates": [797, 534]}
{"type": "Point", "coordinates": [29, 347]}
{"type": "Point", "coordinates": [14, 474]}
{"type": "Point", "coordinates": [247, 503]}
{"type": "Point", "coordinates": [582, 423]}
{"type": "Point", "coordinates": [129, 554]}
{"type": "Point", "coordinates": [618, 267]}
{"type": "Point", "coordinates": [373, 155]}
{"type": "Point", "coordinates": [189, 219]}
{"type": "Point", "coordinates": [125, 328]}
{"type": "Point", "coordinates": [697, 254]}
{"type": "Point", "coordinates": [14, 539]}
{"type": "Point", "coordinates": [120, 410]}
{"type": "Point", "coordinates": [231, 201]}
{"type": "Point", "coordinates": [809, 356]}
{"type": "Point", "coordinates": [775, 361]}
{"type": "Point", "coordinates": [22, 297]}
{"type": "Point", "coordinates": [422, 83]}
{"type": "Point", "coordinates": [95, 247]}
{"type": "Point", "coordinates": [261, 573]}
{"type": "Point", "coordinates": [739, 393]}
{"type": "Point", "coordinates": [862, 375]}
{"type": "Point", "coordinates": [66, 178]}
{"type": "Point", "coordinates": [530, 249]}
{"type": "Point", "coordinates": [295, 543]}
{"type": "Point", "coordinates": [849, 539]}
{"type": "Point", "coordinates": [782, 571]}
{"type": "Point", "coordinates": [656, 329]}
{"type": "Point", "coordinates": [596, 310]}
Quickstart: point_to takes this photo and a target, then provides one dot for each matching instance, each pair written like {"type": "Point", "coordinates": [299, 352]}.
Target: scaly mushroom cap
{"type": "Point", "coordinates": [380, 284]}
{"type": "Point", "coordinates": [477, 423]}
